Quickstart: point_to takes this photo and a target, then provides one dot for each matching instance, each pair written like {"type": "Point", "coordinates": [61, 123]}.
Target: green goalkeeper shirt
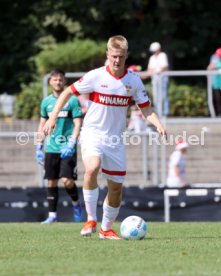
{"type": "Point", "coordinates": [64, 122]}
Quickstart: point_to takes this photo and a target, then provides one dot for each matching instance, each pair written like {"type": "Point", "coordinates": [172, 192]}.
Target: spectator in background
{"type": "Point", "coordinates": [215, 64]}
{"type": "Point", "coordinates": [213, 59]}
{"type": "Point", "coordinates": [158, 63]}
{"type": "Point", "coordinates": [60, 157]}
{"type": "Point", "coordinates": [177, 167]}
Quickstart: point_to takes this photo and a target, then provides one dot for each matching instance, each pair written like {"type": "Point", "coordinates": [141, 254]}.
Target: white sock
{"type": "Point", "coordinates": [109, 216]}
{"type": "Point", "coordinates": [52, 214]}
{"type": "Point", "coordinates": [90, 199]}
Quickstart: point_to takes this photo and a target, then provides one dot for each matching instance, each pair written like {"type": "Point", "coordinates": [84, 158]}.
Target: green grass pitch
{"type": "Point", "coordinates": [189, 249]}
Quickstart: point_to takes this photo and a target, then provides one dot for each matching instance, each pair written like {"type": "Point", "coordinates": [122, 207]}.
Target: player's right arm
{"type": "Point", "coordinates": [62, 100]}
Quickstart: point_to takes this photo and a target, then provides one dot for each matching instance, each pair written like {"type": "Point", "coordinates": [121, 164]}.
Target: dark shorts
{"type": "Point", "coordinates": [56, 167]}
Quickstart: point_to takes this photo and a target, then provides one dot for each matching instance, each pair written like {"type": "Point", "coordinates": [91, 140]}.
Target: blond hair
{"type": "Point", "coordinates": [117, 42]}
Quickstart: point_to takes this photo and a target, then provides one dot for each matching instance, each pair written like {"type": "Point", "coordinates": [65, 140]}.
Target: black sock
{"type": "Point", "coordinates": [52, 198]}
{"type": "Point", "coordinates": [73, 193]}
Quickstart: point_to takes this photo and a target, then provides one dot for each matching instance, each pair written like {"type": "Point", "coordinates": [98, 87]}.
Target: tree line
{"type": "Point", "coordinates": [188, 31]}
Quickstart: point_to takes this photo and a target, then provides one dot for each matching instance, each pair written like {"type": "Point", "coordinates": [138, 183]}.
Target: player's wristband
{"type": "Point", "coordinates": [72, 142]}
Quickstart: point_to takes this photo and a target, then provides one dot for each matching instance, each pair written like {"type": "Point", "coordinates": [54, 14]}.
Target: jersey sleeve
{"type": "Point", "coordinates": [140, 96]}
{"type": "Point", "coordinates": [84, 85]}
{"type": "Point", "coordinates": [44, 113]}
{"type": "Point", "coordinates": [76, 108]}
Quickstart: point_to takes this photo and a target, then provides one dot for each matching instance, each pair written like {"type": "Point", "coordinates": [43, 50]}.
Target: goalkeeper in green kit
{"type": "Point", "coordinates": [58, 153]}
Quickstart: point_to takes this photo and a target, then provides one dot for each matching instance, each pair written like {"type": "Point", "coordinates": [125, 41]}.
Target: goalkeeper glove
{"type": "Point", "coordinates": [69, 149]}
{"type": "Point", "coordinates": [39, 156]}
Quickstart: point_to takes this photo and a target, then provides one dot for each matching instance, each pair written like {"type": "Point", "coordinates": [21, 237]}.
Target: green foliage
{"type": "Point", "coordinates": [73, 56]}
{"type": "Point", "coordinates": [187, 100]}
{"type": "Point", "coordinates": [77, 55]}
{"type": "Point", "coordinates": [28, 27]}
{"type": "Point", "coordinates": [18, 35]}
{"type": "Point", "coordinates": [28, 101]}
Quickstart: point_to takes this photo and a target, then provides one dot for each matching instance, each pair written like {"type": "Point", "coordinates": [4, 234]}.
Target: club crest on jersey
{"type": "Point", "coordinates": [128, 88]}
{"type": "Point", "coordinates": [144, 93]}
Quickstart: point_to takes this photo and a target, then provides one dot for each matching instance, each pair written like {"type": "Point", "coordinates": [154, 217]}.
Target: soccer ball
{"type": "Point", "coordinates": [133, 228]}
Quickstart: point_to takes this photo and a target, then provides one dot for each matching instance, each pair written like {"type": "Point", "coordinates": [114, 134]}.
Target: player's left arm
{"type": "Point", "coordinates": [141, 98]}
{"type": "Point", "coordinates": [152, 117]}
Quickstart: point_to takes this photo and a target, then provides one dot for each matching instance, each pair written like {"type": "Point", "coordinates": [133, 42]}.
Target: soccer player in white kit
{"type": "Point", "coordinates": [111, 89]}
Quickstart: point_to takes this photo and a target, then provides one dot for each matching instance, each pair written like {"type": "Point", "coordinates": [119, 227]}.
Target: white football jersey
{"type": "Point", "coordinates": [109, 98]}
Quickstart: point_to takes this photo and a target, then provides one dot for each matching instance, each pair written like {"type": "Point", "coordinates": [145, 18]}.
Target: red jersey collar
{"type": "Point", "coordinates": [116, 77]}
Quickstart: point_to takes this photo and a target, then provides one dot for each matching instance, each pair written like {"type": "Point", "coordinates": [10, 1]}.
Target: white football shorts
{"type": "Point", "coordinates": [113, 157]}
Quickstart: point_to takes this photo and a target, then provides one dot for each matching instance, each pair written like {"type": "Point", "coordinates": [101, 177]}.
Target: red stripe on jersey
{"type": "Point", "coordinates": [120, 173]}
{"type": "Point", "coordinates": [74, 90]}
{"type": "Point", "coordinates": [108, 99]}
{"type": "Point", "coordinates": [116, 77]}
{"type": "Point", "coordinates": [146, 104]}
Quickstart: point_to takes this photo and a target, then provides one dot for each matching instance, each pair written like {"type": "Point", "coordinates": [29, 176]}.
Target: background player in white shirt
{"type": "Point", "coordinates": [177, 167]}
{"type": "Point", "coordinates": [111, 89]}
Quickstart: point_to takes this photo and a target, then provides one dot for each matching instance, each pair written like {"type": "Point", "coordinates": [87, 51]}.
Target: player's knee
{"type": "Point", "coordinates": [116, 191]}
{"type": "Point", "coordinates": [52, 183]}
{"type": "Point", "coordinates": [91, 171]}
{"type": "Point", "coordinates": [68, 183]}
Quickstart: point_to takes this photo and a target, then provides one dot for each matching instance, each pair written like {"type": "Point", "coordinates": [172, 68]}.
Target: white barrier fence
{"type": "Point", "coordinates": [202, 73]}
{"type": "Point", "coordinates": [168, 193]}
{"type": "Point", "coordinates": [182, 73]}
